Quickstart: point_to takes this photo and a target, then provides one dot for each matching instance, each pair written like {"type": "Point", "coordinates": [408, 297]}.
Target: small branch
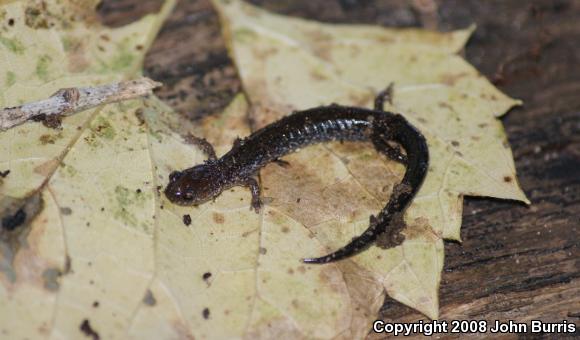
{"type": "Point", "coordinates": [66, 102]}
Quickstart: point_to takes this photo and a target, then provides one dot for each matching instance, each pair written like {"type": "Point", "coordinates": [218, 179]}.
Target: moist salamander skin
{"type": "Point", "coordinates": [241, 164]}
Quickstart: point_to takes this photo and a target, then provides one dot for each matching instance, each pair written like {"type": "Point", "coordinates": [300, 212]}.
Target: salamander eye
{"type": "Point", "coordinates": [175, 175]}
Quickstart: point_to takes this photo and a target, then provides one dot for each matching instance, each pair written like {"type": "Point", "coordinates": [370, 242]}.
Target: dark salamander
{"type": "Point", "coordinates": [321, 124]}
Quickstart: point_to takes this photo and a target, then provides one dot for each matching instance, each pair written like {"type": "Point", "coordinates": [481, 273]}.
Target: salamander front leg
{"type": "Point", "coordinates": [252, 183]}
{"type": "Point", "coordinates": [237, 143]}
{"type": "Point", "coordinates": [204, 145]}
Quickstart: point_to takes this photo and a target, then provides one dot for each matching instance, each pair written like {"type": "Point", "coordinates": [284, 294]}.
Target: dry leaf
{"type": "Point", "coordinates": [291, 64]}
{"type": "Point", "coordinates": [81, 259]}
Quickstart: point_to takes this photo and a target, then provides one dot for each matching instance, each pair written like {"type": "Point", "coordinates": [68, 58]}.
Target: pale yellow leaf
{"type": "Point", "coordinates": [290, 64]}
{"type": "Point", "coordinates": [88, 254]}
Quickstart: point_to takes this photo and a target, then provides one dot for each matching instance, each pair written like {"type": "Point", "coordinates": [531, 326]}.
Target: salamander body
{"type": "Point", "coordinates": [241, 164]}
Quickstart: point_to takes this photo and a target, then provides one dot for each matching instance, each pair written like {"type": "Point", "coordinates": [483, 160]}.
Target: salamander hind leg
{"type": "Point", "coordinates": [390, 151]}
{"type": "Point", "coordinates": [384, 95]}
{"type": "Point", "coordinates": [252, 183]}
{"type": "Point", "coordinates": [380, 137]}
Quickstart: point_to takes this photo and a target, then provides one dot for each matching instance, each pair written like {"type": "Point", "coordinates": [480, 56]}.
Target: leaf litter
{"type": "Point", "coordinates": [105, 251]}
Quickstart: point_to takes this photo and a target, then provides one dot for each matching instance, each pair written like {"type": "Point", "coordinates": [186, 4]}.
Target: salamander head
{"type": "Point", "coordinates": [194, 186]}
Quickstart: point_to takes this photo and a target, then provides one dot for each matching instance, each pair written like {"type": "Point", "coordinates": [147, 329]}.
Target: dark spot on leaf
{"type": "Point", "coordinates": [10, 22]}
{"type": "Point", "coordinates": [47, 139]}
{"type": "Point", "coordinates": [285, 229]}
{"type": "Point", "coordinates": [246, 233]}
{"type": "Point", "coordinates": [96, 304]}
{"type": "Point", "coordinates": [65, 210]}
{"type": "Point", "coordinates": [50, 121]}
{"type": "Point", "coordinates": [507, 179]}
{"type": "Point", "coordinates": [206, 276]}
{"type": "Point", "coordinates": [263, 250]}
{"type": "Point", "coordinates": [50, 277]}
{"type": "Point", "coordinates": [218, 218]}
{"type": "Point", "coordinates": [67, 265]}
{"type": "Point", "coordinates": [186, 219]}
{"type": "Point", "coordinates": [149, 299]}
{"type": "Point", "coordinates": [139, 115]}
{"type": "Point", "coordinates": [205, 313]}
{"type": "Point", "coordinates": [4, 173]}
{"type": "Point", "coordinates": [12, 222]}
{"type": "Point", "coordinates": [16, 215]}
{"type": "Point", "coordinates": [138, 191]}
{"type": "Point", "coordinates": [88, 330]}
{"type": "Point", "coordinates": [455, 143]}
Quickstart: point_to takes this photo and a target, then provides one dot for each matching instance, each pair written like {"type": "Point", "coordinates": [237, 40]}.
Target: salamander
{"type": "Point", "coordinates": [240, 166]}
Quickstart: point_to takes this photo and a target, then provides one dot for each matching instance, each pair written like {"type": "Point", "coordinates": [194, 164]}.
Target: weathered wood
{"type": "Point", "coordinates": [516, 262]}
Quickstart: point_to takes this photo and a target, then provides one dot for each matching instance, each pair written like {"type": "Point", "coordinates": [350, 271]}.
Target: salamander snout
{"type": "Point", "coordinates": [193, 186]}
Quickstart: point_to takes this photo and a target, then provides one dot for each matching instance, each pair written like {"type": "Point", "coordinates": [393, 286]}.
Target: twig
{"type": "Point", "coordinates": [68, 101]}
